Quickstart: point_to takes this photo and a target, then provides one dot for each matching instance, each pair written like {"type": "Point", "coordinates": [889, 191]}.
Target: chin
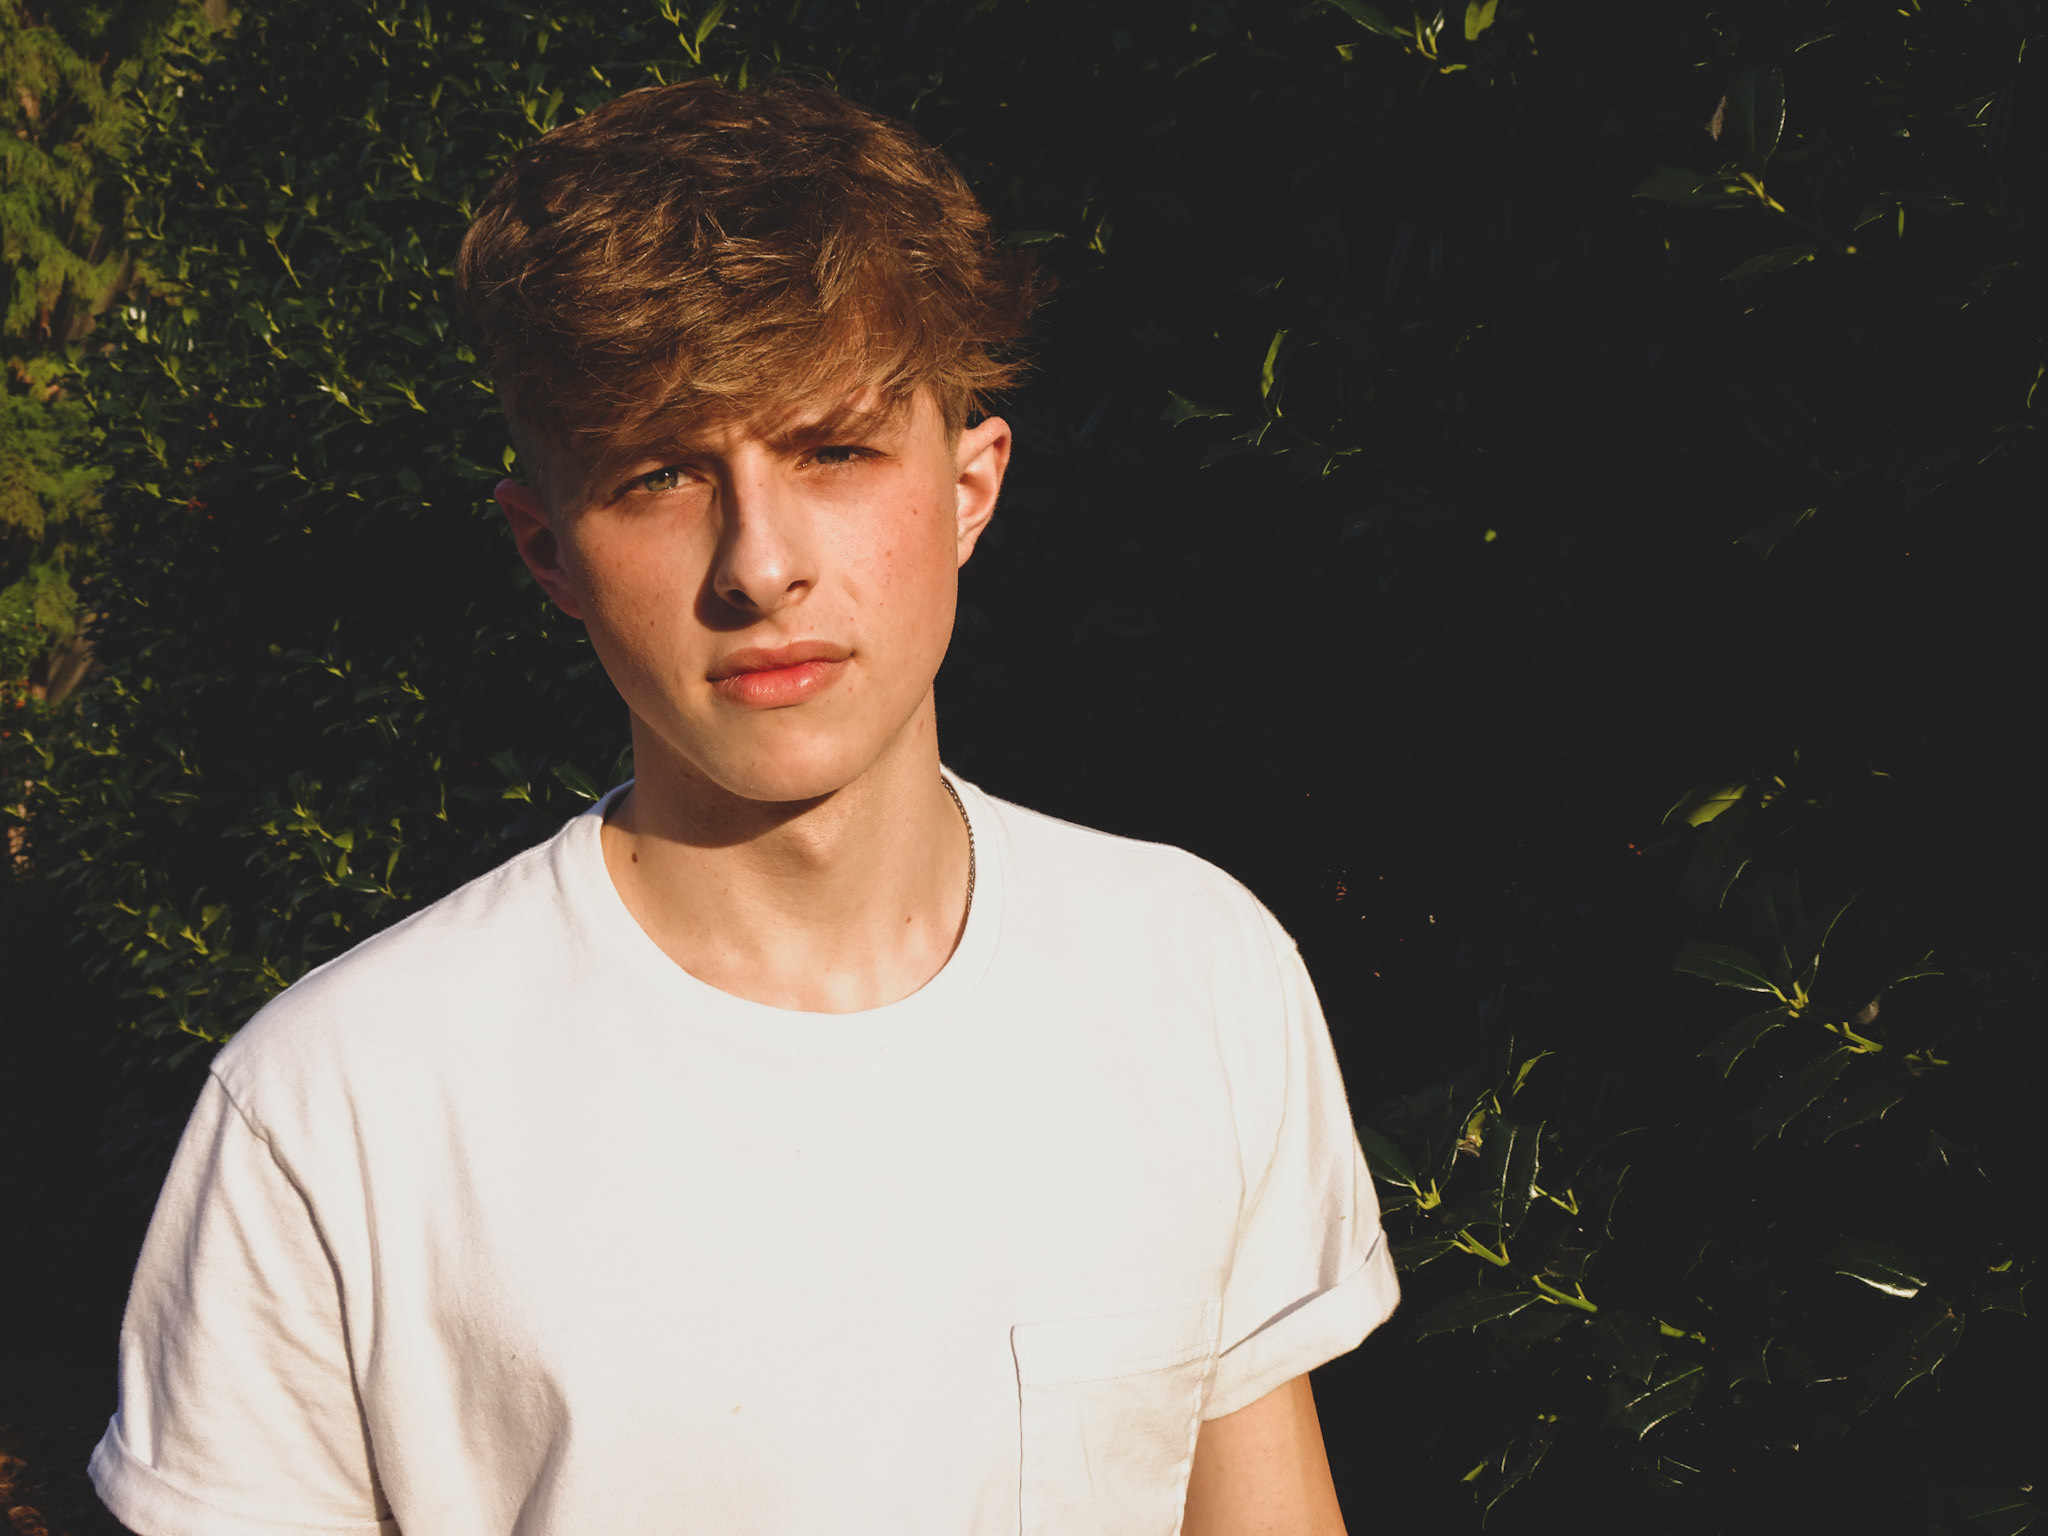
{"type": "Point", "coordinates": [789, 767]}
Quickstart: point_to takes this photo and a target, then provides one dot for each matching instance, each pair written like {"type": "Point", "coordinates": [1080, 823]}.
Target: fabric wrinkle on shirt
{"type": "Point", "coordinates": [504, 1223]}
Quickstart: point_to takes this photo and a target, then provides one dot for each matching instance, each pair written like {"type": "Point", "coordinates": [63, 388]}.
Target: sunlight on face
{"type": "Point", "coordinates": [771, 599]}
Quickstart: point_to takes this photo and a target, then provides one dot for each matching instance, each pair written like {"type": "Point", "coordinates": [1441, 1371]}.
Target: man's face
{"type": "Point", "coordinates": [771, 600]}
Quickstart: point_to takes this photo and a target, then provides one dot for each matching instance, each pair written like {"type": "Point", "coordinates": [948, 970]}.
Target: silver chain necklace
{"type": "Point", "coordinates": [961, 807]}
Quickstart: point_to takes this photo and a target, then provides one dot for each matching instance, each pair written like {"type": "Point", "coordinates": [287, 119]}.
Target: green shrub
{"type": "Point", "coordinates": [1548, 494]}
{"type": "Point", "coordinates": [69, 79]}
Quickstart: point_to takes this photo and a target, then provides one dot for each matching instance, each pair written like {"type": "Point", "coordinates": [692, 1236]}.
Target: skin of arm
{"type": "Point", "coordinates": [1262, 1471]}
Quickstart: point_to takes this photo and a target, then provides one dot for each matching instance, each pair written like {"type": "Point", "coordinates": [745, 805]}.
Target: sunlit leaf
{"type": "Point", "coordinates": [1700, 806]}
{"type": "Point", "coordinates": [1674, 1391]}
{"type": "Point", "coordinates": [1878, 1265]}
{"type": "Point", "coordinates": [1511, 1156]}
{"type": "Point", "coordinates": [1266, 369]}
{"type": "Point", "coordinates": [578, 782]}
{"type": "Point", "coordinates": [1388, 1163]}
{"type": "Point", "coordinates": [1470, 1309]}
{"type": "Point", "coordinates": [1369, 17]}
{"type": "Point", "coordinates": [1413, 1253]}
{"type": "Point", "coordinates": [1725, 965]}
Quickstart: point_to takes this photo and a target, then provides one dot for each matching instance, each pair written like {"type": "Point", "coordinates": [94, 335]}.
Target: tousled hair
{"type": "Point", "coordinates": [692, 253]}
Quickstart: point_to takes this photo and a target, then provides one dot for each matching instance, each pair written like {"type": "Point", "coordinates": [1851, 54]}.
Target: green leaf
{"type": "Point", "coordinates": [1765, 536]}
{"type": "Point", "coordinates": [1266, 368]}
{"type": "Point", "coordinates": [577, 782]}
{"type": "Point", "coordinates": [1998, 1511]}
{"type": "Point", "coordinates": [1418, 1251]}
{"type": "Point", "coordinates": [1511, 1155]}
{"type": "Point", "coordinates": [1913, 1354]}
{"type": "Point", "coordinates": [1536, 1324]}
{"type": "Point", "coordinates": [1179, 409]}
{"type": "Point", "coordinates": [1675, 1390]}
{"type": "Point", "coordinates": [1699, 806]}
{"type": "Point", "coordinates": [1878, 1265]}
{"type": "Point", "coordinates": [1368, 17]}
{"type": "Point", "coordinates": [1516, 1463]}
{"type": "Point", "coordinates": [2005, 1291]}
{"type": "Point", "coordinates": [1723, 850]}
{"type": "Point", "coordinates": [1725, 966]}
{"type": "Point", "coordinates": [1023, 237]}
{"type": "Point", "coordinates": [1949, 1156]}
{"type": "Point", "coordinates": [1478, 17]}
{"type": "Point", "coordinates": [1522, 1072]}
{"type": "Point", "coordinates": [1873, 1101]}
{"type": "Point", "coordinates": [1470, 1309]}
{"type": "Point", "coordinates": [1807, 947]}
{"type": "Point", "coordinates": [1914, 972]}
{"type": "Point", "coordinates": [1387, 1162]}
{"type": "Point", "coordinates": [1751, 118]}
{"type": "Point", "coordinates": [1727, 1047]}
{"type": "Point", "coordinates": [1628, 1344]}
{"type": "Point", "coordinates": [1794, 1092]}
{"type": "Point", "coordinates": [1691, 189]}
{"type": "Point", "coordinates": [1747, 1361]}
{"type": "Point", "coordinates": [710, 21]}
{"type": "Point", "coordinates": [1770, 261]}
{"type": "Point", "coordinates": [1568, 1263]}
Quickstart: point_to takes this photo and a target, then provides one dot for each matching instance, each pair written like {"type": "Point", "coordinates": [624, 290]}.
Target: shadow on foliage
{"type": "Point", "coordinates": [1546, 494]}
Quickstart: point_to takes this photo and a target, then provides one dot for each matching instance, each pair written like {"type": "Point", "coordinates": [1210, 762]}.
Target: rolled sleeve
{"type": "Point", "coordinates": [238, 1412]}
{"type": "Point", "coordinates": [1311, 1276]}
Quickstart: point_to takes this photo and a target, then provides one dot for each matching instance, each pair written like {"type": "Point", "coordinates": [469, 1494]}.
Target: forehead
{"type": "Point", "coordinates": [863, 413]}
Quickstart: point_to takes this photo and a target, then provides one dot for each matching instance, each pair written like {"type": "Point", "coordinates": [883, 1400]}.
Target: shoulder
{"type": "Point", "coordinates": [1080, 877]}
{"type": "Point", "coordinates": [469, 955]}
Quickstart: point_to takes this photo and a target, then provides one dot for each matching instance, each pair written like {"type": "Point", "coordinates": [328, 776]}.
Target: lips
{"type": "Point", "coordinates": [763, 677]}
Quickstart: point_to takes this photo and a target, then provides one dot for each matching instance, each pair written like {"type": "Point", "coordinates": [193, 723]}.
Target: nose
{"type": "Point", "coordinates": [766, 557]}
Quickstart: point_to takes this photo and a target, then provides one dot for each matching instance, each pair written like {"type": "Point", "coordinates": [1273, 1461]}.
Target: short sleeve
{"type": "Point", "coordinates": [238, 1413]}
{"type": "Point", "coordinates": [1311, 1276]}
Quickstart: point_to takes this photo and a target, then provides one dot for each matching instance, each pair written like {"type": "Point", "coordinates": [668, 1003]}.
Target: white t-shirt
{"type": "Point", "coordinates": [504, 1223]}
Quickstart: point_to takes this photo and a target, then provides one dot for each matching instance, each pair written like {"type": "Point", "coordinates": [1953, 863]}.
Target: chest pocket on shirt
{"type": "Point", "coordinates": [1111, 1407]}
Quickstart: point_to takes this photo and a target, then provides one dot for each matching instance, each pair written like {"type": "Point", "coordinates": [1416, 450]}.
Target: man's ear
{"type": "Point", "coordinates": [538, 547]}
{"type": "Point", "coordinates": [982, 456]}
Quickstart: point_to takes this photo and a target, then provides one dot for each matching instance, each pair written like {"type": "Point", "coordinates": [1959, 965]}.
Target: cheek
{"type": "Point", "coordinates": [919, 567]}
{"type": "Point", "coordinates": [633, 587]}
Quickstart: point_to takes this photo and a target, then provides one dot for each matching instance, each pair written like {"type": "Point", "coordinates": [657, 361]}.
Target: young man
{"type": "Point", "coordinates": [802, 1141]}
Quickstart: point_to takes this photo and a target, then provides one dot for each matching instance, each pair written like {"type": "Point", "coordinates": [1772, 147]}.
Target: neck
{"type": "Point", "coordinates": [834, 905]}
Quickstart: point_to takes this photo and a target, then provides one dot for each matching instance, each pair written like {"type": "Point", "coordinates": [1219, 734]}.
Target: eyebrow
{"type": "Point", "coordinates": [837, 424]}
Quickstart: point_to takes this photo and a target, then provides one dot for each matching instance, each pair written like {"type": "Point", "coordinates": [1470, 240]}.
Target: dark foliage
{"type": "Point", "coordinates": [1548, 494]}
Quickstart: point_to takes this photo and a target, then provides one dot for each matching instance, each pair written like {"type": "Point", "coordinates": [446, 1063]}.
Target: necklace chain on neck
{"type": "Point", "coordinates": [961, 806]}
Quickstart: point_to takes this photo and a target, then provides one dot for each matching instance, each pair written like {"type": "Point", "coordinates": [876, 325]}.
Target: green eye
{"type": "Point", "coordinates": [660, 480]}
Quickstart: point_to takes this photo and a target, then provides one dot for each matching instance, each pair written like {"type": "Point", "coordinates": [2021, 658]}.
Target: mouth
{"type": "Point", "coordinates": [762, 677]}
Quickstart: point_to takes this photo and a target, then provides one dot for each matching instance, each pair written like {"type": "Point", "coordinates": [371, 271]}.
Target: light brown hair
{"type": "Point", "coordinates": [691, 252]}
